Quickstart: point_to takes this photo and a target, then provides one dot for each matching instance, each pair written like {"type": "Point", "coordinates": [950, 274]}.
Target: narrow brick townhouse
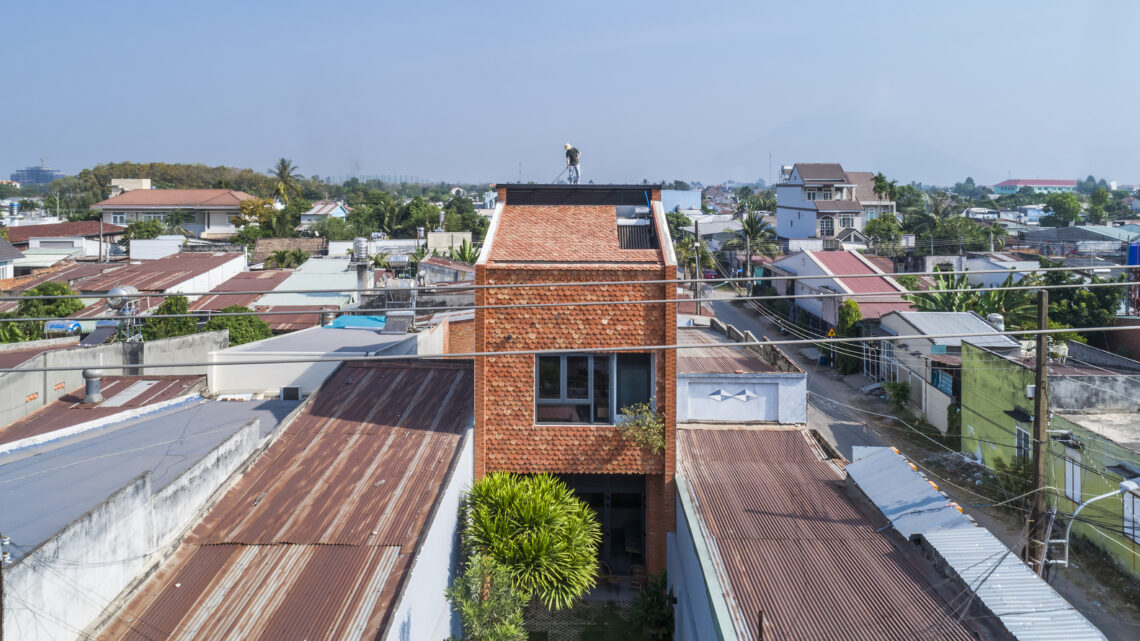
{"type": "Point", "coordinates": [557, 413]}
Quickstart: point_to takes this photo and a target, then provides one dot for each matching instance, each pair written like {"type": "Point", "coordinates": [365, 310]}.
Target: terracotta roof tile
{"type": "Point", "coordinates": [175, 198]}
{"type": "Point", "coordinates": [566, 234]}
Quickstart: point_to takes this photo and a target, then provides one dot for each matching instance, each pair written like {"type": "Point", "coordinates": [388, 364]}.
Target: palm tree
{"type": "Point", "coordinates": [754, 235]}
{"type": "Point", "coordinates": [465, 253]}
{"type": "Point", "coordinates": [288, 257]}
{"type": "Point", "coordinates": [176, 220]}
{"type": "Point", "coordinates": [686, 251]}
{"type": "Point", "coordinates": [942, 205]}
{"type": "Point", "coordinates": [286, 177]}
{"type": "Point", "coordinates": [536, 527]}
{"type": "Point", "coordinates": [939, 299]}
{"type": "Point", "coordinates": [380, 260]}
{"type": "Point", "coordinates": [765, 203]}
{"type": "Point", "coordinates": [1017, 307]}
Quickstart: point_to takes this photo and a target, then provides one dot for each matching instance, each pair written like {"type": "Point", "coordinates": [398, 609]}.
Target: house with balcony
{"type": "Point", "coordinates": [558, 411]}
{"type": "Point", "coordinates": [213, 210]}
{"type": "Point", "coordinates": [821, 206]}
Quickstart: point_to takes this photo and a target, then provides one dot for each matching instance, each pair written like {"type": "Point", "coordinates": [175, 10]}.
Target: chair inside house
{"type": "Point", "coordinates": [637, 578]}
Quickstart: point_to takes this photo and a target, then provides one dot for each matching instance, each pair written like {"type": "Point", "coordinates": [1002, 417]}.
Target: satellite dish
{"type": "Point", "coordinates": [120, 296]}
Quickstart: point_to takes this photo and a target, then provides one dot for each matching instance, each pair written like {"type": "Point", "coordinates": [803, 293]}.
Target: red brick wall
{"type": "Point", "coordinates": [461, 337]}
{"type": "Point", "coordinates": [506, 436]}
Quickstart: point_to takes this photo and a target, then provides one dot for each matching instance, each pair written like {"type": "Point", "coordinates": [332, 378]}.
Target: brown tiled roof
{"type": "Point", "coordinates": [263, 281]}
{"type": "Point", "coordinates": [821, 171]}
{"type": "Point", "coordinates": [865, 186]}
{"type": "Point", "coordinates": [563, 234]}
{"type": "Point", "coordinates": [69, 410]}
{"type": "Point", "coordinates": [20, 235]}
{"type": "Point", "coordinates": [165, 198]}
{"type": "Point", "coordinates": [315, 540]}
{"type": "Point", "coordinates": [792, 545]}
{"type": "Point", "coordinates": [161, 274]}
{"type": "Point", "coordinates": [443, 261]}
{"type": "Point", "coordinates": [838, 206]}
{"type": "Point", "coordinates": [264, 247]}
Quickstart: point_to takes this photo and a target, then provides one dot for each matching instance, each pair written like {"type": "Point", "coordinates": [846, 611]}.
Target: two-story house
{"type": "Point", "coordinates": [558, 411]}
{"type": "Point", "coordinates": [819, 204]}
{"type": "Point", "coordinates": [213, 210]}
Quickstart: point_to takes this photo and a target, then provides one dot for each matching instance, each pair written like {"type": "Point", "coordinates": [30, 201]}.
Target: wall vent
{"type": "Point", "coordinates": [291, 393]}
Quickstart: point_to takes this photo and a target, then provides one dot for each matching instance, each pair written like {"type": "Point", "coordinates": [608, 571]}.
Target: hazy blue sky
{"type": "Point", "coordinates": [467, 90]}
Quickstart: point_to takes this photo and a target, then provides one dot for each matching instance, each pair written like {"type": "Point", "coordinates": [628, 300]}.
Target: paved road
{"type": "Point", "coordinates": [827, 394]}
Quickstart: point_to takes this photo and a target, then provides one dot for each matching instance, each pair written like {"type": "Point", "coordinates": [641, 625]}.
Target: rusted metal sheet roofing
{"type": "Point", "coordinates": [16, 357]}
{"type": "Point", "coordinates": [314, 541]}
{"type": "Point", "coordinates": [263, 281]}
{"type": "Point", "coordinates": [720, 357]}
{"type": "Point", "coordinates": [120, 394]}
{"type": "Point", "coordinates": [303, 316]}
{"type": "Point", "coordinates": [790, 546]}
{"type": "Point", "coordinates": [22, 234]}
{"type": "Point", "coordinates": [161, 274]}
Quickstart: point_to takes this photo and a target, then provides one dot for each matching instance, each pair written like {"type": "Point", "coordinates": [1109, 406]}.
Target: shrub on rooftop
{"type": "Point", "coordinates": [156, 328]}
{"type": "Point", "coordinates": [244, 328]}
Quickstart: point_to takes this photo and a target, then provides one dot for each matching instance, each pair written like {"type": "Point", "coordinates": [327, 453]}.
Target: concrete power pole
{"type": "Point", "coordinates": [1036, 546]}
{"type": "Point", "coordinates": [697, 261]}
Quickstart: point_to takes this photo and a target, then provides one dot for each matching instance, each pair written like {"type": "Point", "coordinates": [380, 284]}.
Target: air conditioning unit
{"type": "Point", "coordinates": [1030, 390]}
{"type": "Point", "coordinates": [291, 393]}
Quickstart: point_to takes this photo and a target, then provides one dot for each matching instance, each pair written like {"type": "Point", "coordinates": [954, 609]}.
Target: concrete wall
{"type": "Point", "coordinates": [192, 348]}
{"type": "Point", "coordinates": [1017, 269]}
{"type": "Point", "coordinates": [422, 611]}
{"type": "Point", "coordinates": [755, 397]}
{"type": "Point", "coordinates": [693, 580]}
{"type": "Point", "coordinates": [1094, 393]}
{"type": "Point", "coordinates": [68, 581]}
{"type": "Point", "coordinates": [937, 403]}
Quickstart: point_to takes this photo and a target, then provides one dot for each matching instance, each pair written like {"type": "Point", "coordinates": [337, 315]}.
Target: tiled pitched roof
{"type": "Point", "coordinates": [175, 198]}
{"type": "Point", "coordinates": [865, 187]}
{"type": "Point", "coordinates": [20, 235]}
{"type": "Point", "coordinates": [822, 171]}
{"type": "Point", "coordinates": [838, 206]}
{"type": "Point", "coordinates": [8, 252]}
{"type": "Point", "coordinates": [563, 234]}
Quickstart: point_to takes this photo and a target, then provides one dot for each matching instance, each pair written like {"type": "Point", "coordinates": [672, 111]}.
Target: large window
{"type": "Point", "coordinates": [118, 218]}
{"type": "Point", "coordinates": [1023, 443]}
{"type": "Point", "coordinates": [826, 226]}
{"type": "Point", "coordinates": [1132, 516]}
{"type": "Point", "coordinates": [1073, 474]}
{"type": "Point", "coordinates": [846, 222]}
{"type": "Point", "coordinates": [158, 217]}
{"type": "Point", "coordinates": [590, 388]}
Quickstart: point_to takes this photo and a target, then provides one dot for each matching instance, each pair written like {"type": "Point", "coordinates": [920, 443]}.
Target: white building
{"type": "Point", "coordinates": [321, 210]}
{"type": "Point", "coordinates": [820, 201]}
{"type": "Point", "coordinates": [213, 210]}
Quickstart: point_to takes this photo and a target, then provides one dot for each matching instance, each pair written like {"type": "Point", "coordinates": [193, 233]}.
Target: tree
{"type": "Point", "coordinates": [884, 232]}
{"type": "Point", "coordinates": [1017, 306]}
{"type": "Point", "coordinates": [465, 253]}
{"type": "Point", "coordinates": [176, 220]}
{"type": "Point", "coordinates": [488, 603]}
{"type": "Point", "coordinates": [156, 328]}
{"type": "Point", "coordinates": [245, 328]}
{"type": "Point", "coordinates": [1063, 209]}
{"type": "Point", "coordinates": [334, 228]}
{"type": "Point", "coordinates": [686, 250]}
{"type": "Point", "coordinates": [941, 298]}
{"type": "Point", "coordinates": [847, 327]}
{"type": "Point", "coordinates": [287, 258]}
{"type": "Point", "coordinates": [754, 235]}
{"type": "Point", "coordinates": [677, 221]}
{"type": "Point", "coordinates": [680, 185]}
{"type": "Point", "coordinates": [53, 307]}
{"type": "Point", "coordinates": [285, 178]}
{"type": "Point", "coordinates": [380, 260]}
{"type": "Point", "coordinates": [546, 537]}
{"type": "Point", "coordinates": [1096, 213]}
{"type": "Point", "coordinates": [141, 230]}
{"type": "Point", "coordinates": [254, 211]}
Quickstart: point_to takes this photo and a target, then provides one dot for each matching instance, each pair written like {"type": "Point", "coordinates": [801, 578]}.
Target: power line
{"type": "Point", "coordinates": [551, 352]}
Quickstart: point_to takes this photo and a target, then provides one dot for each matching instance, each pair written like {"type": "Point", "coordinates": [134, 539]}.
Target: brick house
{"type": "Point", "coordinates": [557, 412]}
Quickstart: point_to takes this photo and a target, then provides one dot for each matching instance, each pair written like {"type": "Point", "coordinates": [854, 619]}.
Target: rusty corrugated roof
{"type": "Point", "coordinates": [791, 544]}
{"type": "Point", "coordinates": [303, 316]}
{"type": "Point", "coordinates": [720, 356]}
{"type": "Point", "coordinates": [314, 541]}
{"type": "Point", "coordinates": [255, 281]}
{"type": "Point", "coordinates": [69, 410]}
{"type": "Point", "coordinates": [160, 274]}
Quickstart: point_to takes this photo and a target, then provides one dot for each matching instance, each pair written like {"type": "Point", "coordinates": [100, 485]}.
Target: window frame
{"type": "Point", "coordinates": [831, 223]}
{"type": "Point", "coordinates": [1073, 478]}
{"type": "Point", "coordinates": [1130, 518]}
{"type": "Point", "coordinates": [118, 218]}
{"type": "Point", "coordinates": [1019, 450]}
{"type": "Point", "coordinates": [847, 221]}
{"type": "Point", "coordinates": [588, 401]}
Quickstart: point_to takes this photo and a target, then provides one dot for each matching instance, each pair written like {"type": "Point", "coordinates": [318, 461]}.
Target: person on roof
{"type": "Point", "coordinates": [572, 156]}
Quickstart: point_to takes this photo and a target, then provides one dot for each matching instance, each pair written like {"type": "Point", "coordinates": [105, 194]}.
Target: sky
{"type": "Point", "coordinates": [490, 91]}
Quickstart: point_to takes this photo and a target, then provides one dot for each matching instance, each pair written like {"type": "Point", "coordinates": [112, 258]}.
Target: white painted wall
{"type": "Point", "coordinates": [422, 612]}
{"type": "Point", "coordinates": [690, 577]}
{"type": "Point", "coordinates": [1018, 268]}
{"type": "Point", "coordinates": [212, 278]}
{"type": "Point", "coordinates": [772, 397]}
{"type": "Point", "coordinates": [936, 404]}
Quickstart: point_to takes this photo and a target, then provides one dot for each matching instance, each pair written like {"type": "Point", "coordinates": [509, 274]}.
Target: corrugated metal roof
{"type": "Point", "coordinates": [69, 410]}
{"type": "Point", "coordinates": [314, 541]}
{"type": "Point", "coordinates": [908, 501]}
{"type": "Point", "coordinates": [721, 356]}
{"type": "Point", "coordinates": [791, 544]}
{"type": "Point", "coordinates": [303, 316]}
{"type": "Point", "coordinates": [1028, 607]}
{"type": "Point", "coordinates": [20, 235]}
{"type": "Point", "coordinates": [8, 252]}
{"type": "Point", "coordinates": [315, 273]}
{"type": "Point", "coordinates": [934, 323]}
{"type": "Point", "coordinates": [243, 282]}
{"type": "Point", "coordinates": [161, 274]}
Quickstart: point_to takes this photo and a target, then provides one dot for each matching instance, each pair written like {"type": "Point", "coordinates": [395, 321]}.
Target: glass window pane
{"type": "Point", "coordinates": [549, 377]}
{"type": "Point", "coordinates": [562, 413]}
{"type": "Point", "coordinates": [602, 390]}
{"type": "Point", "coordinates": [633, 378]}
{"type": "Point", "coordinates": [577, 377]}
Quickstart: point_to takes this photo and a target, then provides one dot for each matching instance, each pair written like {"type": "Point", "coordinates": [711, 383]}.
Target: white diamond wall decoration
{"type": "Point", "coordinates": [743, 395]}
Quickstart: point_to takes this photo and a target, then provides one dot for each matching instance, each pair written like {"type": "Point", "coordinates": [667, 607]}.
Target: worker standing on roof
{"type": "Point", "coordinates": [572, 156]}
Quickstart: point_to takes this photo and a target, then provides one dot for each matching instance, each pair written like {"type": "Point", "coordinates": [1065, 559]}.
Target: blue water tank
{"type": "Point", "coordinates": [61, 326]}
{"type": "Point", "coordinates": [1134, 253]}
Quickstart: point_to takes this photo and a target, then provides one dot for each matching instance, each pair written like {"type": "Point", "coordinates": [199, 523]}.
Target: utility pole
{"type": "Point", "coordinates": [3, 560]}
{"type": "Point", "coordinates": [991, 242]}
{"type": "Point", "coordinates": [1036, 546]}
{"type": "Point", "coordinates": [697, 260]}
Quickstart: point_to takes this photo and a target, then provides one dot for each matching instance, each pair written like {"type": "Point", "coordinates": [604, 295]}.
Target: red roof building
{"type": "Point", "coordinates": [212, 210]}
{"type": "Point", "coordinates": [865, 283]}
{"type": "Point", "coordinates": [557, 413]}
{"type": "Point", "coordinates": [20, 235]}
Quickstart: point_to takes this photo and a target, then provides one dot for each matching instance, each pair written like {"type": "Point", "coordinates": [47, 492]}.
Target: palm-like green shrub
{"type": "Point", "coordinates": [644, 426]}
{"type": "Point", "coordinates": [489, 605]}
{"type": "Point", "coordinates": [546, 537]}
